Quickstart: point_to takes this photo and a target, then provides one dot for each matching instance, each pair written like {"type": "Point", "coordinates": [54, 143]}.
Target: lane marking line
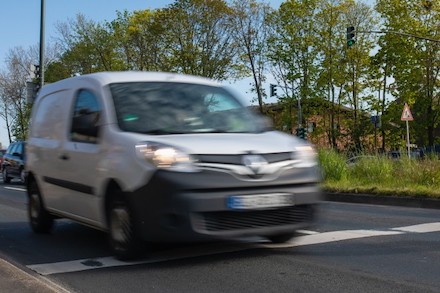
{"type": "Point", "coordinates": [183, 253]}
{"type": "Point", "coordinates": [15, 188]}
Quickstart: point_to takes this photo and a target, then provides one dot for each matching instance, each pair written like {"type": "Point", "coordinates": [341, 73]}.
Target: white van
{"type": "Point", "coordinates": [159, 157]}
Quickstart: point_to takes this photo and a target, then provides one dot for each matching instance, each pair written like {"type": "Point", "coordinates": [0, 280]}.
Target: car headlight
{"type": "Point", "coordinates": [165, 157]}
{"type": "Point", "coordinates": [305, 156]}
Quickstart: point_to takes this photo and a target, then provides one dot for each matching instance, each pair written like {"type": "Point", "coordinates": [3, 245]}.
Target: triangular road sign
{"type": "Point", "coordinates": [406, 114]}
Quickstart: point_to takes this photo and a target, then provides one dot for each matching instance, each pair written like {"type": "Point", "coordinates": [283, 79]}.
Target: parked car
{"type": "Point", "coordinates": [2, 153]}
{"type": "Point", "coordinates": [161, 157]}
{"type": "Point", "coordinates": [414, 154]}
{"type": "Point", "coordinates": [13, 164]}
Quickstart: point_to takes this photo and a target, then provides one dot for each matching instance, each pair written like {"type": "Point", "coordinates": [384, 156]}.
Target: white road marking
{"type": "Point", "coordinates": [190, 252]}
{"type": "Point", "coordinates": [422, 228]}
{"type": "Point", "coordinates": [328, 237]}
{"type": "Point", "coordinates": [104, 262]}
{"type": "Point", "coordinates": [15, 188]}
{"type": "Point", "coordinates": [308, 232]}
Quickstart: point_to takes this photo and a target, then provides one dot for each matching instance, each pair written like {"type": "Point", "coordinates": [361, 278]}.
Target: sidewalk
{"type": "Point", "coordinates": [15, 280]}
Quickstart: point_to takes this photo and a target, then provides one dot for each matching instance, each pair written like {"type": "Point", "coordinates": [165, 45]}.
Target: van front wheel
{"type": "Point", "coordinates": [40, 219]}
{"type": "Point", "coordinates": [124, 241]}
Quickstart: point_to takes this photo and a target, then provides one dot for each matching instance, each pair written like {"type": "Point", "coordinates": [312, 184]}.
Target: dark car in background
{"type": "Point", "coordinates": [2, 153]}
{"type": "Point", "coordinates": [13, 162]}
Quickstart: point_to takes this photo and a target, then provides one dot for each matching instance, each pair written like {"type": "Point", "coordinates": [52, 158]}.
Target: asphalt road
{"type": "Point", "coordinates": [352, 248]}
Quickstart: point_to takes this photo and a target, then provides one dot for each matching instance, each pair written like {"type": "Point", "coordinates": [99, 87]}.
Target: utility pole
{"type": "Point", "coordinates": [42, 45]}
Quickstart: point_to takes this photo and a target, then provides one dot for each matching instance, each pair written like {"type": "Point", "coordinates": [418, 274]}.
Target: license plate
{"type": "Point", "coordinates": [260, 201]}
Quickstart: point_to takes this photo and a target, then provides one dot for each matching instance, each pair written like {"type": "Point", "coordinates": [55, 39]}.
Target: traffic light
{"type": "Point", "coordinates": [36, 71]}
{"type": "Point", "coordinates": [350, 36]}
{"type": "Point", "coordinates": [301, 132]}
{"type": "Point", "coordinates": [273, 90]}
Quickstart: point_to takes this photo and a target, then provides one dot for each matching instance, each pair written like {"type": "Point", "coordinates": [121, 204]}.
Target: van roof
{"type": "Point", "coordinates": [104, 78]}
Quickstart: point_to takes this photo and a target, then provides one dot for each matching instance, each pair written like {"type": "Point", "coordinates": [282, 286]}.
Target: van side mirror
{"type": "Point", "coordinates": [86, 124]}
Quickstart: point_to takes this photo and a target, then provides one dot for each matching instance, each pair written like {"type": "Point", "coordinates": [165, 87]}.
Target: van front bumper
{"type": "Point", "coordinates": [176, 207]}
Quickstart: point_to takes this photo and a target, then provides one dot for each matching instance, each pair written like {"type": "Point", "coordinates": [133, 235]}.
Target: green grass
{"type": "Point", "coordinates": [381, 175]}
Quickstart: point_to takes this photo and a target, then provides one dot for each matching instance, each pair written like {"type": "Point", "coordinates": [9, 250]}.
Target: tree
{"type": "Point", "coordinates": [251, 30]}
{"type": "Point", "coordinates": [200, 40]}
{"type": "Point", "coordinates": [357, 69]}
{"type": "Point", "coordinates": [13, 92]}
{"type": "Point", "coordinates": [414, 62]}
{"type": "Point", "coordinates": [331, 80]}
{"type": "Point", "coordinates": [293, 54]}
{"type": "Point", "coordinates": [88, 47]}
{"type": "Point", "coordinates": [140, 40]}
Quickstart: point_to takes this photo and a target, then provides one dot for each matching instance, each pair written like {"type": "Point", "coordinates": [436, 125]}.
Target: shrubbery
{"type": "Point", "coordinates": [381, 175]}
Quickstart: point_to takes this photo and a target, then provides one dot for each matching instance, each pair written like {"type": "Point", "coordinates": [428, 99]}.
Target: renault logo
{"type": "Point", "coordinates": [254, 162]}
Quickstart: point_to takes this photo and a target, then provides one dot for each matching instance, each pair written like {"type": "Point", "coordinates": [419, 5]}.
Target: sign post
{"type": "Point", "coordinates": [407, 116]}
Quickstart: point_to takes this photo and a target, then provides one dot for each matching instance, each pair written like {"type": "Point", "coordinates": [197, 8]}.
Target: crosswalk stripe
{"type": "Point", "coordinates": [328, 237]}
{"type": "Point", "coordinates": [104, 262]}
{"type": "Point", "coordinates": [422, 228]}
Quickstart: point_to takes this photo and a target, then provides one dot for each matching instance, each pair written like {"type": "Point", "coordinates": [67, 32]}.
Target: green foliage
{"type": "Point", "coordinates": [333, 164]}
{"type": "Point", "coordinates": [377, 169]}
{"type": "Point", "coordinates": [424, 173]}
{"type": "Point", "coordinates": [413, 61]}
{"type": "Point", "coordinates": [381, 175]}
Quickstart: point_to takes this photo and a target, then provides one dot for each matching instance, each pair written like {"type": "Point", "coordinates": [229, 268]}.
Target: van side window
{"type": "Point", "coordinates": [86, 114]}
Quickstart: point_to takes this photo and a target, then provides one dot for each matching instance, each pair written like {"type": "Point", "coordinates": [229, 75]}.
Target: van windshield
{"type": "Point", "coordinates": [176, 108]}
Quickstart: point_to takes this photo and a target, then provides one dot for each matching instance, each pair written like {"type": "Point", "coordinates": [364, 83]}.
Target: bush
{"type": "Point", "coordinates": [381, 175]}
{"type": "Point", "coordinates": [333, 164]}
{"type": "Point", "coordinates": [376, 169]}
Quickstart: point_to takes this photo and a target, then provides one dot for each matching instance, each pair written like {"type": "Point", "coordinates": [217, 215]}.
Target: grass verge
{"type": "Point", "coordinates": [381, 175]}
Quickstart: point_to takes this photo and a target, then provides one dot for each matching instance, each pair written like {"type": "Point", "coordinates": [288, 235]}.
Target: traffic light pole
{"type": "Point", "coordinates": [400, 33]}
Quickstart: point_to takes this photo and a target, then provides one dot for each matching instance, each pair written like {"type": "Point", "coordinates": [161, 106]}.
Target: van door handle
{"type": "Point", "coordinates": [64, 157]}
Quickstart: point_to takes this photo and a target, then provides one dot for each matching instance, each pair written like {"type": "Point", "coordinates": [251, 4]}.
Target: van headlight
{"type": "Point", "coordinates": [305, 156]}
{"type": "Point", "coordinates": [166, 157]}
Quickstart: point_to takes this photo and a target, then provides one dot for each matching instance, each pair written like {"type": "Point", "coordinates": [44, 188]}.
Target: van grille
{"type": "Point", "coordinates": [239, 220]}
{"type": "Point", "coordinates": [237, 159]}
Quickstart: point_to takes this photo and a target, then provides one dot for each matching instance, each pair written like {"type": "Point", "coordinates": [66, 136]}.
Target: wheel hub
{"type": "Point", "coordinates": [34, 205]}
{"type": "Point", "coordinates": [120, 224]}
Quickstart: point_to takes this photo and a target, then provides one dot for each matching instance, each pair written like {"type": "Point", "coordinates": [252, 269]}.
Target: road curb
{"type": "Point", "coordinates": [14, 279]}
{"type": "Point", "coordinates": [426, 203]}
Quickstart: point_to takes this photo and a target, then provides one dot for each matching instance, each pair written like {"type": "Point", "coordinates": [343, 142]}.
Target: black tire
{"type": "Point", "coordinates": [39, 218]}
{"type": "Point", "coordinates": [281, 238]}
{"type": "Point", "coordinates": [6, 178]}
{"type": "Point", "coordinates": [123, 238]}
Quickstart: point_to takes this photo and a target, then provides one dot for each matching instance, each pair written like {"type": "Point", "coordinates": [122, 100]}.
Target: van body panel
{"type": "Point", "coordinates": [188, 198]}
